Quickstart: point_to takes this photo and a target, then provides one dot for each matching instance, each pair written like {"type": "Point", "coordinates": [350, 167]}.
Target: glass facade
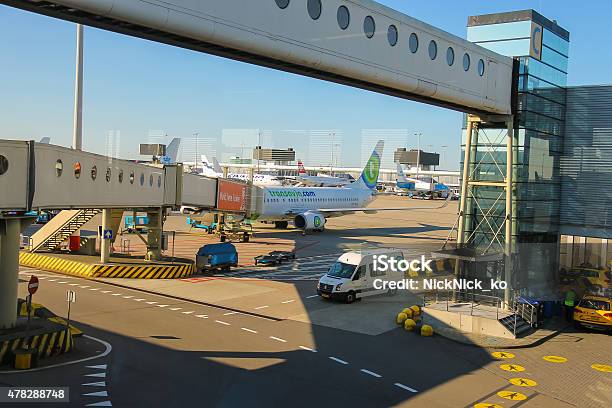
{"type": "Point", "coordinates": [541, 48]}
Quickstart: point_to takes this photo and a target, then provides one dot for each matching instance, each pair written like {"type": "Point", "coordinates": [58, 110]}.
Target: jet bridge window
{"type": "Point", "coordinates": [392, 35]}
{"type": "Point", "coordinates": [369, 26]}
{"type": "Point", "coordinates": [314, 9]}
{"type": "Point", "coordinates": [481, 67]}
{"type": "Point", "coordinates": [59, 168]}
{"type": "Point", "coordinates": [132, 177]}
{"type": "Point", "coordinates": [94, 172]}
{"type": "Point", "coordinates": [466, 62]}
{"type": "Point", "coordinates": [4, 165]}
{"type": "Point", "coordinates": [282, 3]}
{"type": "Point", "coordinates": [433, 50]}
{"type": "Point", "coordinates": [120, 176]}
{"type": "Point", "coordinates": [77, 170]}
{"type": "Point", "coordinates": [450, 56]}
{"type": "Point", "coordinates": [344, 17]}
{"type": "Point", "coordinates": [413, 43]}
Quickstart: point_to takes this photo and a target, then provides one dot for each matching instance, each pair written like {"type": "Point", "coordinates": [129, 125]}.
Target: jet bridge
{"type": "Point", "coordinates": [359, 43]}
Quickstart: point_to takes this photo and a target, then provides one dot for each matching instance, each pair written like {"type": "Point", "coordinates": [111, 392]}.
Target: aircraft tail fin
{"type": "Point", "coordinates": [45, 140]}
{"type": "Point", "coordinates": [301, 169]}
{"type": "Point", "coordinates": [369, 175]}
{"type": "Point", "coordinates": [173, 149]}
{"type": "Point", "coordinates": [401, 177]}
{"type": "Point", "coordinates": [217, 166]}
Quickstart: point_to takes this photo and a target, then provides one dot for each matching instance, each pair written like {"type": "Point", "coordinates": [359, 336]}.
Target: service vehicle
{"type": "Point", "coordinates": [216, 256]}
{"type": "Point", "coordinates": [352, 276]}
{"type": "Point", "coordinates": [594, 312]}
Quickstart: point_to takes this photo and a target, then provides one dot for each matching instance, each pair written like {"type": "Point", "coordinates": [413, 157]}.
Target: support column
{"type": "Point", "coordinates": [154, 235]}
{"type": "Point", "coordinates": [464, 189]}
{"type": "Point", "coordinates": [9, 271]}
{"type": "Point", "coordinates": [77, 131]}
{"type": "Point", "coordinates": [104, 242]}
{"type": "Point", "coordinates": [509, 213]}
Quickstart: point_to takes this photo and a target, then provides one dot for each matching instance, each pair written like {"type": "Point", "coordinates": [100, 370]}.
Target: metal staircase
{"type": "Point", "coordinates": [59, 228]}
{"type": "Point", "coordinates": [515, 324]}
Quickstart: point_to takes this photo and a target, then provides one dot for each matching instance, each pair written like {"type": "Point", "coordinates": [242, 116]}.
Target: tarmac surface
{"type": "Point", "coordinates": [261, 337]}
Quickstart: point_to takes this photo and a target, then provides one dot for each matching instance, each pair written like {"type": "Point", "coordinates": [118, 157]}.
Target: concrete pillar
{"type": "Point", "coordinates": [9, 271]}
{"type": "Point", "coordinates": [77, 128]}
{"type": "Point", "coordinates": [105, 243]}
{"type": "Point", "coordinates": [154, 235]}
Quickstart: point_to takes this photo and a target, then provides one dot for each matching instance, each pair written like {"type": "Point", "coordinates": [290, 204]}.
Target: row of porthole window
{"type": "Point", "coordinates": [93, 172]}
{"type": "Point", "coordinates": [343, 16]}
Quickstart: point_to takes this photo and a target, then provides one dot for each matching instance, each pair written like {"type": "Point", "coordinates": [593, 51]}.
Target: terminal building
{"type": "Point", "coordinates": [561, 169]}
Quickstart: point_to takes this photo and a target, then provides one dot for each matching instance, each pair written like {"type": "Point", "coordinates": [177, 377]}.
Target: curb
{"type": "Point", "coordinates": [86, 270]}
{"type": "Point", "coordinates": [47, 344]}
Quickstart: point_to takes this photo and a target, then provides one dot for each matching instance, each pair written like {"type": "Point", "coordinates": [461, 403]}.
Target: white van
{"type": "Point", "coordinates": [352, 276]}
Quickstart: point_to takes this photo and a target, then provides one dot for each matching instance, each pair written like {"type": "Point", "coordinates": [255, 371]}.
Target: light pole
{"type": "Point", "coordinates": [443, 153]}
{"type": "Point", "coordinates": [195, 135]}
{"type": "Point", "coordinates": [331, 164]}
{"type": "Point", "coordinates": [77, 127]}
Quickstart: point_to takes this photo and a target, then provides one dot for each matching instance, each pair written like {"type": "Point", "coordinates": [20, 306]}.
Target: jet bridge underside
{"type": "Point", "coordinates": [35, 176]}
{"type": "Point", "coordinates": [289, 39]}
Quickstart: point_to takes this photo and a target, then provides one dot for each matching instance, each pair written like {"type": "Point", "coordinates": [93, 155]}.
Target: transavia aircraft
{"type": "Point", "coordinates": [424, 185]}
{"type": "Point", "coordinates": [309, 207]}
{"type": "Point", "coordinates": [217, 172]}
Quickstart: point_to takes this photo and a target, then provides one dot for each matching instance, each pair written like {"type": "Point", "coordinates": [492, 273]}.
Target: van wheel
{"type": "Point", "coordinates": [350, 297]}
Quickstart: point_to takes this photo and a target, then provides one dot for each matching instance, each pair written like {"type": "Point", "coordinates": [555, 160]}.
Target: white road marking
{"type": "Point", "coordinates": [405, 387]}
{"type": "Point", "coordinates": [189, 312]}
{"type": "Point", "coordinates": [162, 305]}
{"type": "Point", "coordinates": [151, 302]}
{"type": "Point", "coordinates": [127, 297]}
{"type": "Point", "coordinates": [96, 384]}
{"type": "Point", "coordinates": [373, 374]}
{"type": "Point", "coordinates": [289, 301]}
{"type": "Point", "coordinates": [249, 330]}
{"type": "Point", "coordinates": [115, 294]}
{"type": "Point", "coordinates": [202, 316]}
{"type": "Point", "coordinates": [65, 282]}
{"type": "Point", "coordinates": [175, 308]}
{"type": "Point", "coordinates": [98, 367]}
{"type": "Point", "coordinates": [308, 349]}
{"type": "Point", "coordinates": [100, 404]}
{"type": "Point", "coordinates": [42, 277]}
{"type": "Point", "coordinates": [84, 287]}
{"type": "Point", "coordinates": [313, 296]}
{"type": "Point", "coordinates": [221, 322]}
{"type": "Point", "coordinates": [261, 307]}
{"type": "Point", "coordinates": [97, 394]}
{"type": "Point", "coordinates": [105, 291]}
{"type": "Point", "coordinates": [73, 284]}
{"type": "Point", "coordinates": [52, 280]}
{"type": "Point", "coordinates": [337, 360]}
{"type": "Point", "coordinates": [94, 289]}
{"type": "Point", "coordinates": [229, 313]}
{"type": "Point", "coordinates": [139, 300]}
{"type": "Point", "coordinates": [278, 339]}
{"type": "Point", "coordinates": [101, 375]}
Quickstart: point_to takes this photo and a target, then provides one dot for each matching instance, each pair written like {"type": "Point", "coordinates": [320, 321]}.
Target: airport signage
{"type": "Point", "coordinates": [231, 196]}
{"type": "Point", "coordinates": [33, 285]}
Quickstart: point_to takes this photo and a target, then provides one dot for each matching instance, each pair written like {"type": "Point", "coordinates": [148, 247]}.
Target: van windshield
{"type": "Point", "coordinates": [341, 270]}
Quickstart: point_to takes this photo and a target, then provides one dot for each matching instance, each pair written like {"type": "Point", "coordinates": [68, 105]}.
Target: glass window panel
{"type": "Point", "coordinates": [555, 42]}
{"type": "Point", "coordinates": [546, 72]}
{"type": "Point", "coordinates": [512, 48]}
{"type": "Point", "coordinates": [518, 29]}
{"type": "Point", "coordinates": [532, 102]}
{"type": "Point", "coordinates": [554, 58]}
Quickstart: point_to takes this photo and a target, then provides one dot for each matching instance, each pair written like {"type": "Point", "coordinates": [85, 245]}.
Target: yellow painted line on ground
{"type": "Point", "coordinates": [555, 359]}
{"type": "Point", "coordinates": [512, 395]}
{"type": "Point", "coordinates": [487, 405]}
{"type": "Point", "coordinates": [602, 367]}
{"type": "Point", "coordinates": [523, 382]}
{"type": "Point", "coordinates": [502, 355]}
{"type": "Point", "coordinates": [512, 367]}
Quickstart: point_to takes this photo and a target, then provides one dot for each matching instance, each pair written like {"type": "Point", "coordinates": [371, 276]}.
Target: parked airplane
{"type": "Point", "coordinates": [423, 185]}
{"type": "Point", "coordinates": [171, 152]}
{"type": "Point", "coordinates": [309, 207]}
{"type": "Point", "coordinates": [319, 180]}
{"type": "Point", "coordinates": [214, 170]}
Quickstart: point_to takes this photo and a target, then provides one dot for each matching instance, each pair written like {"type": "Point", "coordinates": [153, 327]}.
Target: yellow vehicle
{"type": "Point", "coordinates": [594, 312]}
{"type": "Point", "coordinates": [591, 281]}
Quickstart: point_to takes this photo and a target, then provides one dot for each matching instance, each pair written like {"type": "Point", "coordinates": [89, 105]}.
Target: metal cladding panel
{"type": "Point", "coordinates": [14, 180]}
{"type": "Point", "coordinates": [199, 191]}
{"type": "Point", "coordinates": [586, 162]}
{"type": "Point", "coordinates": [289, 39]}
{"type": "Point", "coordinates": [103, 182]}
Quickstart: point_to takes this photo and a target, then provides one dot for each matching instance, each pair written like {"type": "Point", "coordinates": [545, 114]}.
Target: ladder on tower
{"type": "Point", "coordinates": [59, 228]}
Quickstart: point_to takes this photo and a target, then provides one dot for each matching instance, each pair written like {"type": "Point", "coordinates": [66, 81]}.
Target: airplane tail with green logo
{"type": "Point", "coordinates": [369, 175]}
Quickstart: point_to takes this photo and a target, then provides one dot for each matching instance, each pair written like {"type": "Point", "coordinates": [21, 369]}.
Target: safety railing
{"type": "Point", "coordinates": [474, 299]}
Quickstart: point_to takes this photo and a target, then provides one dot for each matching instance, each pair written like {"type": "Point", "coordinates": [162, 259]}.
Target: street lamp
{"type": "Point", "coordinates": [195, 135]}
{"type": "Point", "coordinates": [418, 135]}
{"type": "Point", "coordinates": [443, 153]}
